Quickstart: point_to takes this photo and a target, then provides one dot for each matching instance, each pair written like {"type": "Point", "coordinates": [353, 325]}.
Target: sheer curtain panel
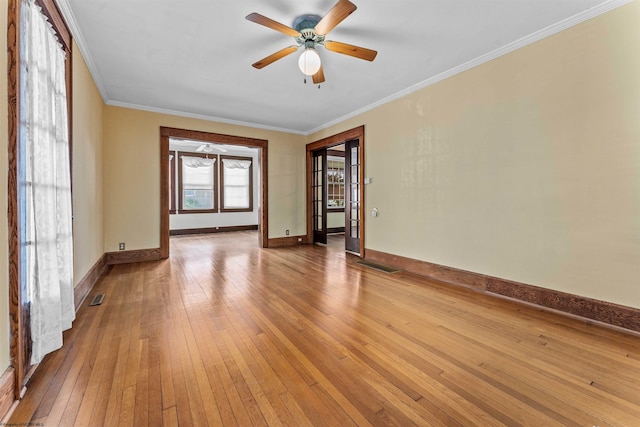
{"type": "Point", "coordinates": [197, 162]}
{"type": "Point", "coordinates": [47, 184]}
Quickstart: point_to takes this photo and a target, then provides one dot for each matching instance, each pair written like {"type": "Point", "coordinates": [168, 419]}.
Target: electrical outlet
{"type": "Point", "coordinates": [299, 239]}
{"type": "Point", "coordinates": [121, 246]}
{"type": "Point", "coordinates": [286, 232]}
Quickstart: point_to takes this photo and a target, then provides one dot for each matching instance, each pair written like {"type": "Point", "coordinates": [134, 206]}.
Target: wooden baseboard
{"type": "Point", "coordinates": [87, 283]}
{"type": "Point", "coordinates": [186, 231]}
{"type": "Point", "coordinates": [126, 257]}
{"type": "Point", "coordinates": [7, 394]}
{"type": "Point", "coordinates": [435, 271]}
{"type": "Point", "coordinates": [601, 311]}
{"type": "Point", "coordinates": [283, 242]}
{"type": "Point", "coordinates": [335, 230]}
{"type": "Point", "coordinates": [588, 308]}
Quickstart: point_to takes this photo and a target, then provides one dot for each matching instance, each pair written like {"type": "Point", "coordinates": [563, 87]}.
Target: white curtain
{"type": "Point", "coordinates": [197, 162]}
{"type": "Point", "coordinates": [49, 263]}
{"type": "Point", "coordinates": [236, 163]}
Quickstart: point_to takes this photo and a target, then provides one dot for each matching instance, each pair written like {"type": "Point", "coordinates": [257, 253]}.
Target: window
{"type": "Point", "coordinates": [236, 179]}
{"type": "Point", "coordinates": [335, 182]}
{"type": "Point", "coordinates": [197, 182]}
{"type": "Point", "coordinates": [209, 183]}
{"type": "Point", "coordinates": [40, 202]}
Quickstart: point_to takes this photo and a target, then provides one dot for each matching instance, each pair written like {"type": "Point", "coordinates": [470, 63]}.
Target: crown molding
{"type": "Point", "coordinates": [524, 41]}
{"type": "Point", "coordinates": [72, 23]}
{"type": "Point", "coordinates": [203, 117]}
{"type": "Point", "coordinates": [593, 12]}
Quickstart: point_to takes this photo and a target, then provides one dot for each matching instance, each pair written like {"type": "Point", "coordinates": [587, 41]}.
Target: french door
{"type": "Point", "coordinates": [319, 195]}
{"type": "Point", "coordinates": [352, 220]}
{"type": "Point", "coordinates": [353, 224]}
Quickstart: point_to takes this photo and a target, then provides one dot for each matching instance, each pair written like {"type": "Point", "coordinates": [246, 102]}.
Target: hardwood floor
{"type": "Point", "coordinates": [225, 333]}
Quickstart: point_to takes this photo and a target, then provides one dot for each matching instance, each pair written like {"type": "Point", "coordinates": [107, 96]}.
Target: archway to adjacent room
{"type": "Point", "coordinates": [318, 196]}
{"type": "Point", "coordinates": [207, 137]}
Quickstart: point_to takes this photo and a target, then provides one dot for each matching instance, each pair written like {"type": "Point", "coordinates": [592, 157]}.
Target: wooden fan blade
{"type": "Point", "coordinates": [336, 15]}
{"type": "Point", "coordinates": [270, 23]}
{"type": "Point", "coordinates": [274, 57]}
{"type": "Point", "coordinates": [319, 76]}
{"type": "Point", "coordinates": [351, 50]}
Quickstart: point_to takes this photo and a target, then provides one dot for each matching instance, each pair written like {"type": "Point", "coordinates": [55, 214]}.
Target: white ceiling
{"type": "Point", "coordinates": [193, 57]}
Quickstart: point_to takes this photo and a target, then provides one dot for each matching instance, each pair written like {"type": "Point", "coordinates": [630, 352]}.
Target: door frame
{"type": "Point", "coordinates": [261, 144]}
{"type": "Point", "coordinates": [330, 141]}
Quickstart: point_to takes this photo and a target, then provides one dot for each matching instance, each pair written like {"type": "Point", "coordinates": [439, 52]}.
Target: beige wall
{"type": "Point", "coordinates": [5, 359]}
{"type": "Point", "coordinates": [525, 168]}
{"type": "Point", "coordinates": [132, 175]}
{"type": "Point", "coordinates": [88, 235]}
{"type": "Point", "coordinates": [335, 219]}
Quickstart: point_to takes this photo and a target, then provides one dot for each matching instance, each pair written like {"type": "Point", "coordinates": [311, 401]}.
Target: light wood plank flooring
{"type": "Point", "coordinates": [224, 333]}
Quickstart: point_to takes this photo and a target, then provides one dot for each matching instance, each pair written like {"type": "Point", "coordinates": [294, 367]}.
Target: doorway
{"type": "Point", "coordinates": [325, 199]}
{"type": "Point", "coordinates": [207, 137]}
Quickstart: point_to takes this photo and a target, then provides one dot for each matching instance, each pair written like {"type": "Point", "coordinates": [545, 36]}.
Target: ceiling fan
{"type": "Point", "coordinates": [310, 31]}
{"type": "Point", "coordinates": [209, 148]}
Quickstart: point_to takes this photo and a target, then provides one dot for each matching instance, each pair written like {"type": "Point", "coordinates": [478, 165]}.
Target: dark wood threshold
{"type": "Point", "coordinates": [83, 288]}
{"type": "Point", "coordinates": [189, 231]}
{"type": "Point", "coordinates": [283, 242]}
{"type": "Point", "coordinates": [125, 257]}
{"type": "Point", "coordinates": [586, 308]}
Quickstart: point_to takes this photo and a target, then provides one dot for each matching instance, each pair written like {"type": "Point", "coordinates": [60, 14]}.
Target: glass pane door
{"type": "Point", "coordinates": [352, 203]}
{"type": "Point", "coordinates": [319, 197]}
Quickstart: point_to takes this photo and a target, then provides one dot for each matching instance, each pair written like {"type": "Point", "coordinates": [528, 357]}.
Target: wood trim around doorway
{"type": "Point", "coordinates": [260, 144]}
{"type": "Point", "coordinates": [331, 141]}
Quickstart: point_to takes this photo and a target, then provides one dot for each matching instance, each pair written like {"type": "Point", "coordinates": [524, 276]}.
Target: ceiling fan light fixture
{"type": "Point", "coordinates": [309, 61]}
{"type": "Point", "coordinates": [310, 31]}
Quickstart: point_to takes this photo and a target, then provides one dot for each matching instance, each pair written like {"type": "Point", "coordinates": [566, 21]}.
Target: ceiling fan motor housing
{"type": "Point", "coordinates": [305, 25]}
{"type": "Point", "coordinates": [304, 22]}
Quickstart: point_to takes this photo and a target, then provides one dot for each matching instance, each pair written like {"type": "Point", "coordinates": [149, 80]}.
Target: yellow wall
{"type": "Point", "coordinates": [525, 168]}
{"type": "Point", "coordinates": [88, 235]}
{"type": "Point", "coordinates": [132, 175]}
{"type": "Point", "coordinates": [335, 219]}
{"type": "Point", "coordinates": [4, 260]}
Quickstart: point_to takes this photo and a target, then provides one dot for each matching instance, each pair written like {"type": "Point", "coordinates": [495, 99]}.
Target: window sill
{"type": "Point", "coordinates": [197, 211]}
{"type": "Point", "coordinates": [223, 210]}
